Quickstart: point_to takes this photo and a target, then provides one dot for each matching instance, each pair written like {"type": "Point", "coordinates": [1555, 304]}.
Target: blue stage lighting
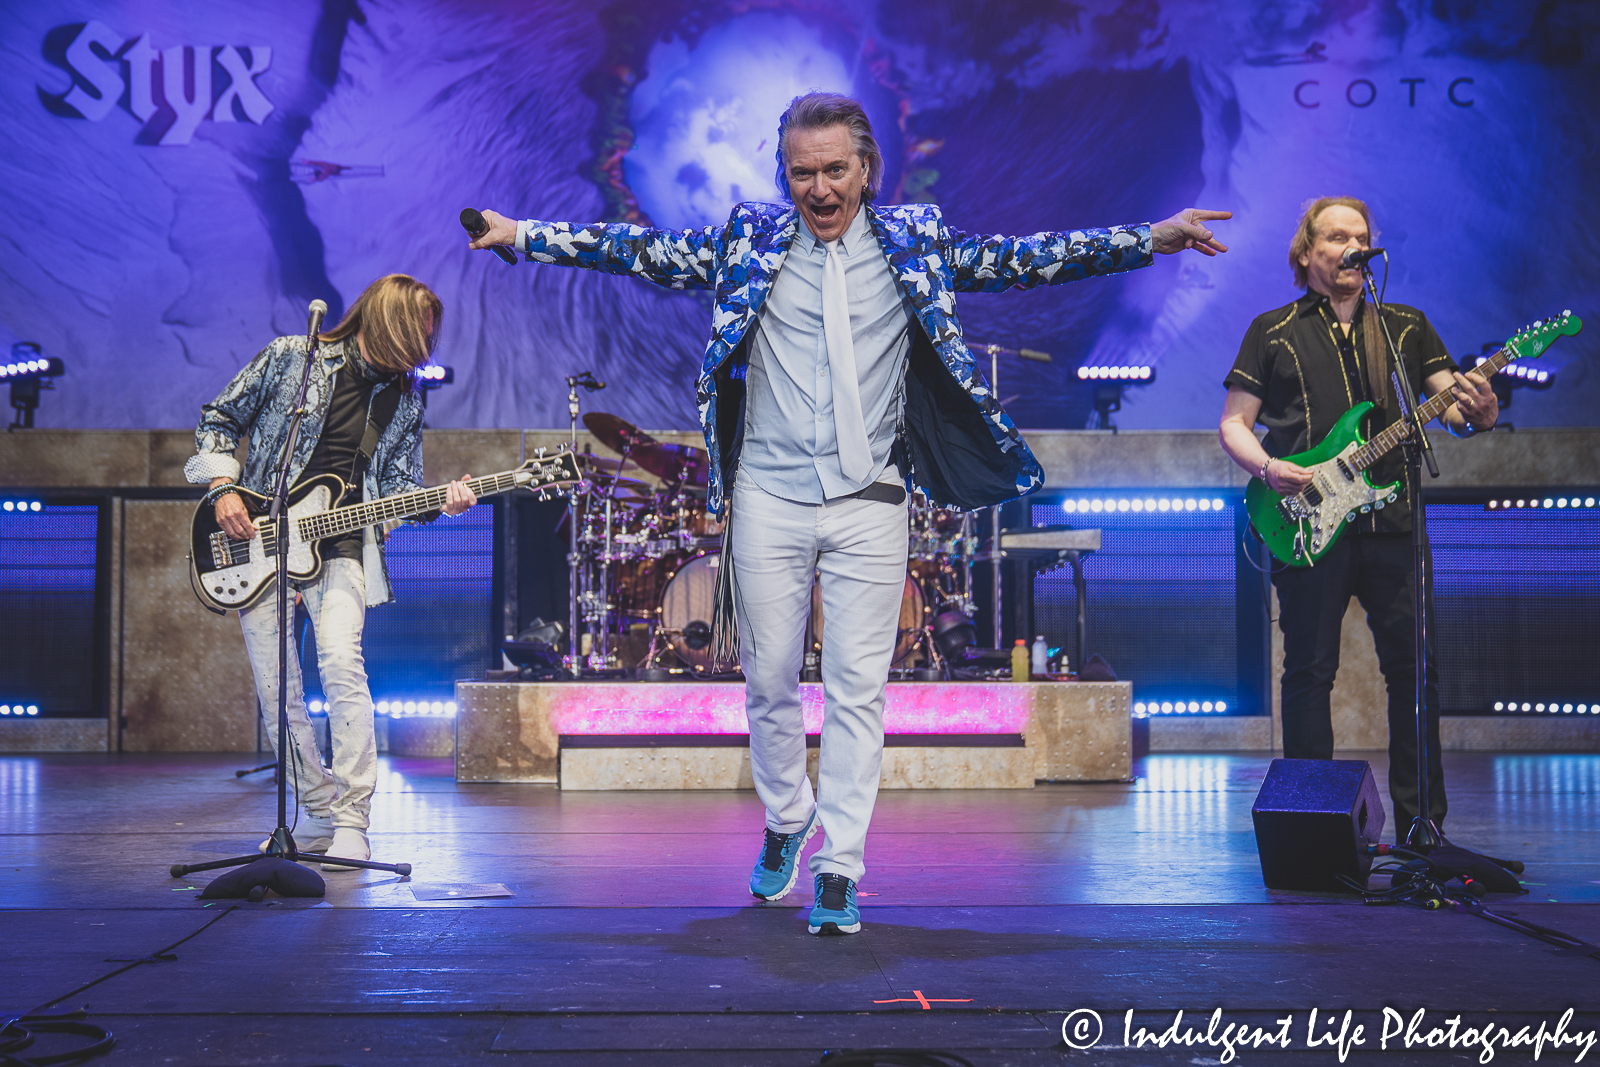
{"type": "Point", "coordinates": [431, 376]}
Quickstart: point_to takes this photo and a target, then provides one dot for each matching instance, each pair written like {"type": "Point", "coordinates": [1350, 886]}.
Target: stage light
{"type": "Point", "coordinates": [28, 372]}
{"type": "Point", "coordinates": [431, 376]}
{"type": "Point", "coordinates": [315, 707]}
{"type": "Point", "coordinates": [410, 709]}
{"type": "Point", "coordinates": [1499, 705]}
{"type": "Point", "coordinates": [1143, 709]}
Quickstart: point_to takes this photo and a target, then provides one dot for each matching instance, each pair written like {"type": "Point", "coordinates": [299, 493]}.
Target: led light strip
{"type": "Point", "coordinates": [1147, 503]}
{"type": "Point", "coordinates": [1545, 502]}
{"type": "Point", "coordinates": [29, 366]}
{"type": "Point", "coordinates": [22, 505]}
{"type": "Point", "coordinates": [1179, 707]}
{"type": "Point", "coordinates": [1523, 371]}
{"type": "Point", "coordinates": [19, 709]}
{"type": "Point", "coordinates": [400, 709]}
{"type": "Point", "coordinates": [1548, 709]}
{"type": "Point", "coordinates": [1117, 374]}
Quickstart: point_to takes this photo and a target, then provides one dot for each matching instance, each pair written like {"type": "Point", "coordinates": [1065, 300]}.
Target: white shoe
{"type": "Point", "coordinates": [314, 834]}
{"type": "Point", "coordinates": [348, 843]}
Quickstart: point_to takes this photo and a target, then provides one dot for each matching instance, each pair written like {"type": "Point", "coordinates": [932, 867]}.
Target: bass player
{"type": "Point", "coordinates": [362, 378]}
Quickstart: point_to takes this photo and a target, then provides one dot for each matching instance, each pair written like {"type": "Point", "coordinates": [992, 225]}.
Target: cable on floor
{"type": "Point", "coordinates": [17, 1034]}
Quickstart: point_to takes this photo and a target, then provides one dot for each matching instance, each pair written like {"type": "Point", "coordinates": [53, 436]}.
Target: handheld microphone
{"type": "Point", "coordinates": [476, 226]}
{"type": "Point", "coordinates": [314, 326]}
{"type": "Point", "coordinates": [1355, 257]}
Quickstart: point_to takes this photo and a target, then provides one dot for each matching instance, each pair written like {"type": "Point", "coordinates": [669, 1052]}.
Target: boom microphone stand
{"type": "Point", "coordinates": [281, 844]}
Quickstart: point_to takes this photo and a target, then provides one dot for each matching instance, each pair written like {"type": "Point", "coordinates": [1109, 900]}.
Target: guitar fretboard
{"type": "Point", "coordinates": [1384, 440]}
{"type": "Point", "coordinates": [400, 506]}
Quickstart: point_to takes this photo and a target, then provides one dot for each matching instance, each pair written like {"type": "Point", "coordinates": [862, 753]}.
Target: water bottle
{"type": "Point", "coordinates": [1041, 658]}
{"type": "Point", "coordinates": [1019, 661]}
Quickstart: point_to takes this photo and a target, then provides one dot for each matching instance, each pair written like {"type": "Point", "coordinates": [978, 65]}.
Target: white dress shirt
{"type": "Point", "coordinates": [790, 446]}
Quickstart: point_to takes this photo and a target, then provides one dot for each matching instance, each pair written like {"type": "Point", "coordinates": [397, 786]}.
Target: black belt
{"type": "Point", "coordinates": [886, 492]}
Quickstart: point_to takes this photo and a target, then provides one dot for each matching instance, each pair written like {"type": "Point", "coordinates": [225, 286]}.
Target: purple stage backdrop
{"type": "Point", "coordinates": [181, 179]}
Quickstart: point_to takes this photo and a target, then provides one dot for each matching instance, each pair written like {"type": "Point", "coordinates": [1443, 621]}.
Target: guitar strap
{"type": "Point", "coordinates": [1377, 355]}
{"type": "Point", "coordinates": [379, 413]}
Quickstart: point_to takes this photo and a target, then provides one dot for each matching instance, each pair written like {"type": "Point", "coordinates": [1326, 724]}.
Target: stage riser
{"type": "Point", "coordinates": [729, 768]}
{"type": "Point", "coordinates": [511, 732]}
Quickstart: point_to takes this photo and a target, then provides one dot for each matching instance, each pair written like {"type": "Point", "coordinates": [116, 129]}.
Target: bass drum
{"type": "Point", "coordinates": [686, 607]}
{"type": "Point", "coordinates": [913, 617]}
{"type": "Point", "coordinates": [688, 600]}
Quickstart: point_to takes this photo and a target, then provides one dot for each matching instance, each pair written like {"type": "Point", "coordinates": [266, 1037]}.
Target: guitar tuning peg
{"type": "Point", "coordinates": [1566, 313]}
{"type": "Point", "coordinates": [539, 452]}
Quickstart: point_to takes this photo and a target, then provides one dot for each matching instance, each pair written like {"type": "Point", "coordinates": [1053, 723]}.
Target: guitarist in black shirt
{"type": "Point", "coordinates": [364, 423]}
{"type": "Point", "coordinates": [1300, 368]}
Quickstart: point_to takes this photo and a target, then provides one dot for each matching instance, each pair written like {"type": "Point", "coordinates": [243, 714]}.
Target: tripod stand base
{"type": "Point", "coordinates": [1424, 834]}
{"type": "Point", "coordinates": [281, 845]}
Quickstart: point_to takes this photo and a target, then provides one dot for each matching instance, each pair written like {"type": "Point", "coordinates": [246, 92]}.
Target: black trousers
{"type": "Point", "coordinates": [1376, 569]}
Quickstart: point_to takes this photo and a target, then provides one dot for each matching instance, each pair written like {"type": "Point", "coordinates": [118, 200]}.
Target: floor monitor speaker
{"type": "Point", "coordinates": [1314, 820]}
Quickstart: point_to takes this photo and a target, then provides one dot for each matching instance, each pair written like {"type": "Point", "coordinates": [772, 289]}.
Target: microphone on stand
{"type": "Point", "coordinates": [318, 309]}
{"type": "Point", "coordinates": [476, 226]}
{"type": "Point", "coordinates": [1355, 257]}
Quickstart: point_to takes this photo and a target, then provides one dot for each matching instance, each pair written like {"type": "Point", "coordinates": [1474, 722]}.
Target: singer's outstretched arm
{"type": "Point", "coordinates": [675, 259]}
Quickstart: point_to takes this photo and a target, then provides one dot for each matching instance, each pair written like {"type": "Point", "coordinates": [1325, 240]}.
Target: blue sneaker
{"type": "Point", "coordinates": [779, 863]}
{"type": "Point", "coordinates": [835, 911]}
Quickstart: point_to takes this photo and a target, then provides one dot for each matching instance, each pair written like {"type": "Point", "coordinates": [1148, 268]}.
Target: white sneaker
{"type": "Point", "coordinates": [348, 843]}
{"type": "Point", "coordinates": [314, 834]}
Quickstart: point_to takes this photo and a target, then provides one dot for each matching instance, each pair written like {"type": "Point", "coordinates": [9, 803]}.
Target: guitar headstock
{"type": "Point", "coordinates": [1531, 341]}
{"type": "Point", "coordinates": [543, 473]}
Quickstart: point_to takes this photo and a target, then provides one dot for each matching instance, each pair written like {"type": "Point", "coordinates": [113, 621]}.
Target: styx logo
{"type": "Point", "coordinates": [171, 90]}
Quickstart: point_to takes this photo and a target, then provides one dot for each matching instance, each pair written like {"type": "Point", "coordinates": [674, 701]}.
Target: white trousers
{"type": "Point", "coordinates": [336, 602]}
{"type": "Point", "coordinates": [859, 547]}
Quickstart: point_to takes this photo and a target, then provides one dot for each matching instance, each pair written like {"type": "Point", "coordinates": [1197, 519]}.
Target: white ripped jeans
{"type": "Point", "coordinates": [860, 548]}
{"type": "Point", "coordinates": [336, 602]}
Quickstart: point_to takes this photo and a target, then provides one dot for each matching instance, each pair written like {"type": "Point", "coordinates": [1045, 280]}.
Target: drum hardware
{"type": "Point", "coordinates": [646, 556]}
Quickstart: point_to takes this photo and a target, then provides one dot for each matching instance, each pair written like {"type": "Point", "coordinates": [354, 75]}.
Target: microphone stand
{"type": "Point", "coordinates": [1423, 832]}
{"type": "Point", "coordinates": [586, 381]}
{"type": "Point", "coordinates": [281, 843]}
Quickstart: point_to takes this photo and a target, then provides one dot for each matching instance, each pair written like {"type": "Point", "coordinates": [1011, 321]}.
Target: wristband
{"type": "Point", "coordinates": [220, 491]}
{"type": "Point", "coordinates": [1262, 473]}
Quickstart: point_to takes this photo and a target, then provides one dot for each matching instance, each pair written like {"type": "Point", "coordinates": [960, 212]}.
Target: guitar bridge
{"type": "Point", "coordinates": [221, 551]}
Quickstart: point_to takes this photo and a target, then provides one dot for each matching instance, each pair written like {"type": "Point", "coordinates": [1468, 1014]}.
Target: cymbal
{"type": "Point", "coordinates": [674, 463]}
{"type": "Point", "coordinates": [615, 432]}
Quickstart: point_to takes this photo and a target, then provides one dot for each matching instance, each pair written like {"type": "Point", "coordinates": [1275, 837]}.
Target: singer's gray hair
{"type": "Point", "coordinates": [1305, 235]}
{"type": "Point", "coordinates": [817, 111]}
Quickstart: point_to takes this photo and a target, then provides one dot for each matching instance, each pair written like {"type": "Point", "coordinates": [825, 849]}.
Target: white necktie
{"type": "Point", "coordinates": [850, 428]}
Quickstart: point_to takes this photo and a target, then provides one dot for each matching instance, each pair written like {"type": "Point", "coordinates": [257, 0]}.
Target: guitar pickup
{"type": "Point", "coordinates": [1344, 469]}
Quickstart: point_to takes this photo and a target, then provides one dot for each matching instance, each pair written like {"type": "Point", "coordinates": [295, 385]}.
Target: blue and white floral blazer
{"type": "Point", "coordinates": [957, 443]}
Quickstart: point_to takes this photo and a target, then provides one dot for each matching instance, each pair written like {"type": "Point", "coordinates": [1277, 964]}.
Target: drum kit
{"type": "Point", "coordinates": [644, 552]}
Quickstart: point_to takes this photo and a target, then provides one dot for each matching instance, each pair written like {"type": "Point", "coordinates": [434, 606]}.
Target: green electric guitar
{"type": "Point", "coordinates": [1299, 529]}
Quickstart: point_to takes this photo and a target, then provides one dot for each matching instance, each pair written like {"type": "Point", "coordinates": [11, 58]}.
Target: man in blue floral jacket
{"type": "Point", "coordinates": [836, 374]}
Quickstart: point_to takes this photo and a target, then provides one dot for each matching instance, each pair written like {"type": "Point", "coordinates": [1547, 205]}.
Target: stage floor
{"type": "Point", "coordinates": [630, 937]}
